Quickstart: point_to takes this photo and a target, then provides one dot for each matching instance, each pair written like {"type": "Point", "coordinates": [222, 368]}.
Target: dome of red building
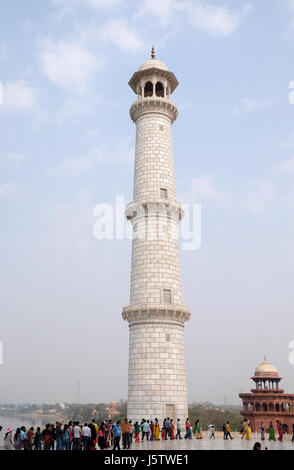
{"type": "Point", "coordinates": [266, 369]}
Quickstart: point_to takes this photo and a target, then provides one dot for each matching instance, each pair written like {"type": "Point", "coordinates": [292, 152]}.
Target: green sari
{"type": "Point", "coordinates": [271, 431]}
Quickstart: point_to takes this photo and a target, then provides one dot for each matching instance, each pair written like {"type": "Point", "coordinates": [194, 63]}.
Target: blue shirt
{"type": "Point", "coordinates": [23, 435]}
{"type": "Point", "coordinates": [116, 430]}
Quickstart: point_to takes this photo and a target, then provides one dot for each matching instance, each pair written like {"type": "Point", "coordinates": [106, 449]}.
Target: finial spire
{"type": "Point", "coordinates": [152, 53]}
{"type": "Point", "coordinates": [265, 357]}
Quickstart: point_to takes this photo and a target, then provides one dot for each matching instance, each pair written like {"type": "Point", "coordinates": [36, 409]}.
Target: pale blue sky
{"type": "Point", "coordinates": [67, 143]}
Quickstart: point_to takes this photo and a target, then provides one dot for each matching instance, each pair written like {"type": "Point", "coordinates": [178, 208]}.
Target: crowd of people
{"type": "Point", "coordinates": [109, 434]}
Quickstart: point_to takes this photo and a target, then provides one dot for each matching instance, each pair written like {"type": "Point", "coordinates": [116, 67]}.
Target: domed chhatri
{"type": "Point", "coordinates": [153, 79]}
{"type": "Point", "coordinates": [266, 369]}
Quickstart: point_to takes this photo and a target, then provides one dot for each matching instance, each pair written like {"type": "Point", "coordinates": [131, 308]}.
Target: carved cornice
{"type": "Point", "coordinates": [153, 105]}
{"type": "Point", "coordinates": [154, 208]}
{"type": "Point", "coordinates": [175, 314]}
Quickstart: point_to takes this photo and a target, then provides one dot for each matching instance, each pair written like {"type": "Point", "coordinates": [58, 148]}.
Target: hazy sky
{"type": "Point", "coordinates": [67, 144]}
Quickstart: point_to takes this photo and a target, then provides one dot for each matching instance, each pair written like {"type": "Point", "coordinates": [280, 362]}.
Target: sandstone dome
{"type": "Point", "coordinates": [266, 369]}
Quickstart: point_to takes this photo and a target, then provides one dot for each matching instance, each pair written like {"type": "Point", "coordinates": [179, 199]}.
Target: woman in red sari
{"type": "Point", "coordinates": [172, 429]}
{"type": "Point", "coordinates": [280, 431]}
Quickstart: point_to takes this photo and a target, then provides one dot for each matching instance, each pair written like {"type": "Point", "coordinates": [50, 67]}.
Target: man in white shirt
{"type": "Point", "coordinates": [86, 435]}
{"type": "Point", "coordinates": [76, 436]}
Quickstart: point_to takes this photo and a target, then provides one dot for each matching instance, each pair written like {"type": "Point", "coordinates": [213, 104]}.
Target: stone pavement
{"type": "Point", "coordinates": [215, 444]}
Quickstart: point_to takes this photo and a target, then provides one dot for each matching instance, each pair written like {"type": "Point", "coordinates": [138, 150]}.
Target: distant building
{"type": "Point", "coordinates": [112, 410]}
{"type": "Point", "coordinates": [267, 402]}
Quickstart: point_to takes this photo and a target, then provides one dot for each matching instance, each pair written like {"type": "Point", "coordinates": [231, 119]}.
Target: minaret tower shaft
{"type": "Point", "coordinates": [157, 384]}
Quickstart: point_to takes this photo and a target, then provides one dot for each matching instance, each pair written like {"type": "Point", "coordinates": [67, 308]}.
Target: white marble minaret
{"type": "Point", "coordinates": [157, 385]}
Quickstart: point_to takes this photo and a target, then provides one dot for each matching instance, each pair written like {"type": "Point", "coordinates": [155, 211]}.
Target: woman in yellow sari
{"type": "Point", "coordinates": [156, 430]}
{"type": "Point", "coordinates": [248, 434]}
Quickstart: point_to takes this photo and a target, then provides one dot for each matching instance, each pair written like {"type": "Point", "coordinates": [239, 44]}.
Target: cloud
{"type": "Point", "coordinates": [96, 4]}
{"type": "Point", "coordinates": [260, 194]}
{"type": "Point", "coordinates": [287, 166]}
{"type": "Point", "coordinates": [205, 17]}
{"type": "Point", "coordinates": [72, 223]}
{"type": "Point", "coordinates": [3, 51]}
{"type": "Point", "coordinates": [68, 64]}
{"type": "Point", "coordinates": [73, 108]}
{"type": "Point", "coordinates": [18, 95]}
{"type": "Point", "coordinates": [163, 10]}
{"type": "Point", "coordinates": [12, 157]}
{"type": "Point", "coordinates": [10, 190]}
{"type": "Point", "coordinates": [203, 189]}
{"type": "Point", "coordinates": [218, 20]}
{"type": "Point", "coordinates": [122, 153]}
{"type": "Point", "coordinates": [75, 166]}
{"type": "Point", "coordinates": [248, 105]}
{"type": "Point", "coordinates": [118, 32]}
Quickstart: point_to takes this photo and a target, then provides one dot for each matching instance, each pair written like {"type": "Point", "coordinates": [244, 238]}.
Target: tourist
{"type": "Point", "coordinates": [94, 433]}
{"type": "Point", "coordinates": [53, 434]}
{"type": "Point", "coordinates": [178, 435]}
{"type": "Point", "coordinates": [280, 431]}
{"type": "Point", "coordinates": [172, 429]}
{"type": "Point", "coordinates": [126, 429]}
{"type": "Point", "coordinates": [167, 427]}
{"type": "Point", "coordinates": [59, 436]}
{"type": "Point", "coordinates": [244, 429]}
{"type": "Point", "coordinates": [101, 436]}
{"type": "Point", "coordinates": [137, 431]}
{"type": "Point", "coordinates": [211, 430]}
{"type": "Point", "coordinates": [66, 437]}
{"type": "Point", "coordinates": [162, 434]}
{"type": "Point", "coordinates": [257, 446]}
{"type": "Point", "coordinates": [86, 434]}
{"type": "Point", "coordinates": [150, 433]}
{"type": "Point", "coordinates": [225, 431]}
{"type": "Point", "coordinates": [262, 429]}
{"type": "Point", "coordinates": [156, 429]}
{"type": "Point", "coordinates": [116, 435]}
{"type": "Point", "coordinates": [229, 430]}
{"type": "Point", "coordinates": [38, 439]}
{"type": "Point", "coordinates": [17, 439]}
{"type": "Point", "coordinates": [109, 435]}
{"type": "Point", "coordinates": [145, 430]}
{"type": "Point", "coordinates": [29, 439]}
{"type": "Point", "coordinates": [197, 430]}
{"type": "Point", "coordinates": [188, 434]}
{"type": "Point", "coordinates": [70, 427]}
{"type": "Point", "coordinates": [132, 428]}
{"type": "Point", "coordinates": [271, 430]}
{"type": "Point", "coordinates": [8, 441]}
{"type": "Point", "coordinates": [76, 436]}
{"type": "Point", "coordinates": [47, 437]}
{"type": "Point", "coordinates": [23, 436]}
{"type": "Point", "coordinates": [248, 434]}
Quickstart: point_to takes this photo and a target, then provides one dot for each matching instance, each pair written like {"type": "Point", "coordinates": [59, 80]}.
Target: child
{"type": "Point", "coordinates": [163, 434]}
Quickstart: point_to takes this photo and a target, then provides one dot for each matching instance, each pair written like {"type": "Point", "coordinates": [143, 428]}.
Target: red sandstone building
{"type": "Point", "coordinates": [267, 402]}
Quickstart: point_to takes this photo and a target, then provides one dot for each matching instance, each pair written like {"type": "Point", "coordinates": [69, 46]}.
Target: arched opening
{"type": "Point", "coordinates": [159, 90]}
{"type": "Point", "coordinates": [277, 407]}
{"type": "Point", "coordinates": [271, 407]}
{"type": "Point", "coordinates": [287, 407]}
{"type": "Point", "coordinates": [148, 89]}
{"type": "Point", "coordinates": [283, 407]}
{"type": "Point", "coordinates": [250, 407]}
{"type": "Point", "coordinates": [257, 407]}
{"type": "Point", "coordinates": [264, 407]}
{"type": "Point", "coordinates": [285, 428]}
